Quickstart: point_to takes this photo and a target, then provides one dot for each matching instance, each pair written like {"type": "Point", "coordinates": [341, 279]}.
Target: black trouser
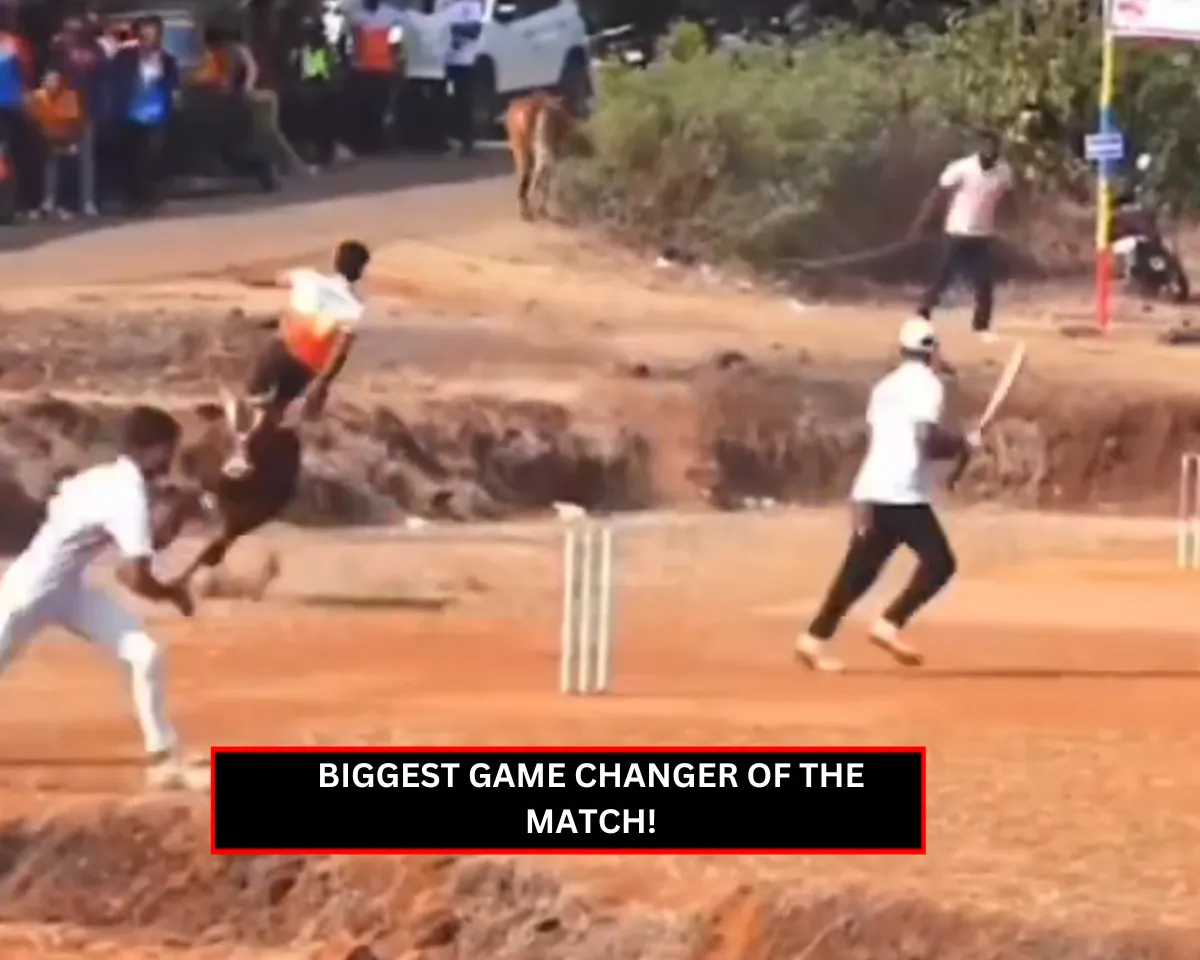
{"type": "Point", "coordinates": [886, 527]}
{"type": "Point", "coordinates": [142, 147]}
{"type": "Point", "coordinates": [316, 119]}
{"type": "Point", "coordinates": [462, 106]}
{"type": "Point", "coordinates": [24, 156]}
{"type": "Point", "coordinates": [972, 258]}
{"type": "Point", "coordinates": [368, 94]}
{"type": "Point", "coordinates": [423, 113]}
{"type": "Point", "coordinates": [278, 375]}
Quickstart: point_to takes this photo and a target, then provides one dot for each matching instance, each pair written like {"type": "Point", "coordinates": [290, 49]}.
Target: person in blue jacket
{"type": "Point", "coordinates": [145, 80]}
{"type": "Point", "coordinates": [17, 133]}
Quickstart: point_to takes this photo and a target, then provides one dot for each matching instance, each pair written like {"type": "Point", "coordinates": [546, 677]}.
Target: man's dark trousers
{"type": "Point", "coordinates": [973, 259]}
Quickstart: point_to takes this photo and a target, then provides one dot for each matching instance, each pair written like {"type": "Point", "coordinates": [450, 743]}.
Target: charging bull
{"type": "Point", "coordinates": [232, 506]}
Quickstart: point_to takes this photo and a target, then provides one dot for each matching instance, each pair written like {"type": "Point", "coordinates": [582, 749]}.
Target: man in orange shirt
{"type": "Point", "coordinates": [374, 70]}
{"type": "Point", "coordinates": [311, 348]}
{"type": "Point", "coordinates": [56, 110]}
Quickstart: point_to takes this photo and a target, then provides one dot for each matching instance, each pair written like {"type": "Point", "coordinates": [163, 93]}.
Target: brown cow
{"type": "Point", "coordinates": [539, 127]}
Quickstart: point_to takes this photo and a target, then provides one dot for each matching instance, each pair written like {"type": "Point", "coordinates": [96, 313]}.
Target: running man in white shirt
{"type": "Point", "coordinates": [315, 336]}
{"type": "Point", "coordinates": [105, 505]}
{"type": "Point", "coordinates": [973, 187]}
{"type": "Point", "coordinates": [890, 502]}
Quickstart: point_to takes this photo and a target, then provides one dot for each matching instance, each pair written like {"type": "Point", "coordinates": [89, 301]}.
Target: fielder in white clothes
{"type": "Point", "coordinates": [972, 187]}
{"type": "Point", "coordinates": [890, 502]}
{"type": "Point", "coordinates": [107, 505]}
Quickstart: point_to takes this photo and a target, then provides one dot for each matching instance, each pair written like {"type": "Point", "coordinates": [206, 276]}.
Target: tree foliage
{"type": "Point", "coordinates": [771, 156]}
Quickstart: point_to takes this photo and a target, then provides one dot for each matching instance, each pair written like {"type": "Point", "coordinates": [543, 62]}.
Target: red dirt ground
{"type": "Point", "coordinates": [1059, 759]}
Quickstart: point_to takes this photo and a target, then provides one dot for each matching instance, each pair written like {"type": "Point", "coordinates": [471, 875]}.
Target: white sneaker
{"type": "Point", "coordinates": [812, 653]}
{"type": "Point", "coordinates": [987, 336]}
{"type": "Point", "coordinates": [885, 636]}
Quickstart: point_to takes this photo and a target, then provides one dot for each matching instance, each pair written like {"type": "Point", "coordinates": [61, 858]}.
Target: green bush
{"type": "Point", "coordinates": [775, 159]}
{"type": "Point", "coordinates": [685, 41]}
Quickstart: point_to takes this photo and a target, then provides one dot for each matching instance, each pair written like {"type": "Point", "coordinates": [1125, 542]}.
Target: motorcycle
{"type": "Point", "coordinates": [621, 45]}
{"type": "Point", "coordinates": [1146, 262]}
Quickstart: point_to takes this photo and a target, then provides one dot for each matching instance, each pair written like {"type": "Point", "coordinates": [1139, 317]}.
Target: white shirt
{"type": "Point", "coordinates": [326, 301]}
{"type": "Point", "coordinates": [150, 67]}
{"type": "Point", "coordinates": [463, 52]}
{"type": "Point", "coordinates": [974, 195]}
{"type": "Point", "coordinates": [895, 470]}
{"type": "Point", "coordinates": [426, 46]}
{"type": "Point", "coordinates": [103, 506]}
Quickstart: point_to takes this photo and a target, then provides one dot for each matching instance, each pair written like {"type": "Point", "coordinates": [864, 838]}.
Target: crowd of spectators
{"type": "Point", "coordinates": [98, 108]}
{"type": "Point", "coordinates": [103, 115]}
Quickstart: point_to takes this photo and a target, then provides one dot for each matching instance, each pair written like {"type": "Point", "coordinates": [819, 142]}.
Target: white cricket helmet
{"type": "Point", "coordinates": [917, 334]}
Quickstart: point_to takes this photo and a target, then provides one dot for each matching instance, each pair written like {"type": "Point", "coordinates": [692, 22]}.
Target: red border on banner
{"type": "Point", "coordinates": [305, 851]}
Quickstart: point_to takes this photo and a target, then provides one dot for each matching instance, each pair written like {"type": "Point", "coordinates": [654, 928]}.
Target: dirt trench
{"type": "Point", "coordinates": [730, 431]}
{"type": "Point", "coordinates": [146, 872]}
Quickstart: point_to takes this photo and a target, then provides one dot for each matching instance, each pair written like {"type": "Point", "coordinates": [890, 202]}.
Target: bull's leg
{"type": "Point", "coordinates": [524, 182]}
{"type": "Point", "coordinates": [541, 187]}
{"type": "Point", "coordinates": [543, 161]}
{"type": "Point", "coordinates": [212, 554]}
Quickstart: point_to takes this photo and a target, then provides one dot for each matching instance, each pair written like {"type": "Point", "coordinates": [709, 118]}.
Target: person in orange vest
{"type": "Point", "coordinates": [82, 61]}
{"type": "Point", "coordinates": [314, 340]}
{"type": "Point", "coordinates": [57, 111]}
{"type": "Point", "coordinates": [373, 71]}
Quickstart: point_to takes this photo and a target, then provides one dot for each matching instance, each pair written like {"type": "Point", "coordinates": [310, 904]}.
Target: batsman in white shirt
{"type": "Point", "coordinates": [890, 502]}
{"type": "Point", "coordinates": [107, 505]}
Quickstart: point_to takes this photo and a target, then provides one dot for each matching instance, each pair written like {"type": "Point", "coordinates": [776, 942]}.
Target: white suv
{"type": "Point", "coordinates": [525, 45]}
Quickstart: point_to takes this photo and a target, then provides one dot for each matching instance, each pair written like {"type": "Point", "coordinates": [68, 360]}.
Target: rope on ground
{"type": "Point", "coordinates": [854, 259]}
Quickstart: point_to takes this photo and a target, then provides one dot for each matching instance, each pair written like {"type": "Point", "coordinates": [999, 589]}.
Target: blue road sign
{"type": "Point", "coordinates": [1104, 147]}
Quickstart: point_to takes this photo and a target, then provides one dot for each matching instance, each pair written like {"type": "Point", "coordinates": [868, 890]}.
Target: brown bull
{"type": "Point", "coordinates": [243, 504]}
{"type": "Point", "coordinates": [540, 130]}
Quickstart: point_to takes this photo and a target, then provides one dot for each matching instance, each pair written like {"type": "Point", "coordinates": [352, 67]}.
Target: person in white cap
{"type": "Point", "coordinates": [890, 502]}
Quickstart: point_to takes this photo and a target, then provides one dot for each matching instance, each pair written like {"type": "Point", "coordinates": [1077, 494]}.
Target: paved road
{"type": "Point", "coordinates": [376, 201]}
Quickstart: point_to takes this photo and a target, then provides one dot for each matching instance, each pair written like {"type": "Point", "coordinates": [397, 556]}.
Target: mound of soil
{"type": "Point", "coordinates": [147, 872]}
{"type": "Point", "coordinates": [778, 429]}
{"type": "Point", "coordinates": [792, 432]}
{"type": "Point", "coordinates": [466, 460]}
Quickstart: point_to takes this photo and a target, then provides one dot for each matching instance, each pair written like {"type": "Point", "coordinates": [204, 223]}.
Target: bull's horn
{"type": "Point", "coordinates": [232, 406]}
